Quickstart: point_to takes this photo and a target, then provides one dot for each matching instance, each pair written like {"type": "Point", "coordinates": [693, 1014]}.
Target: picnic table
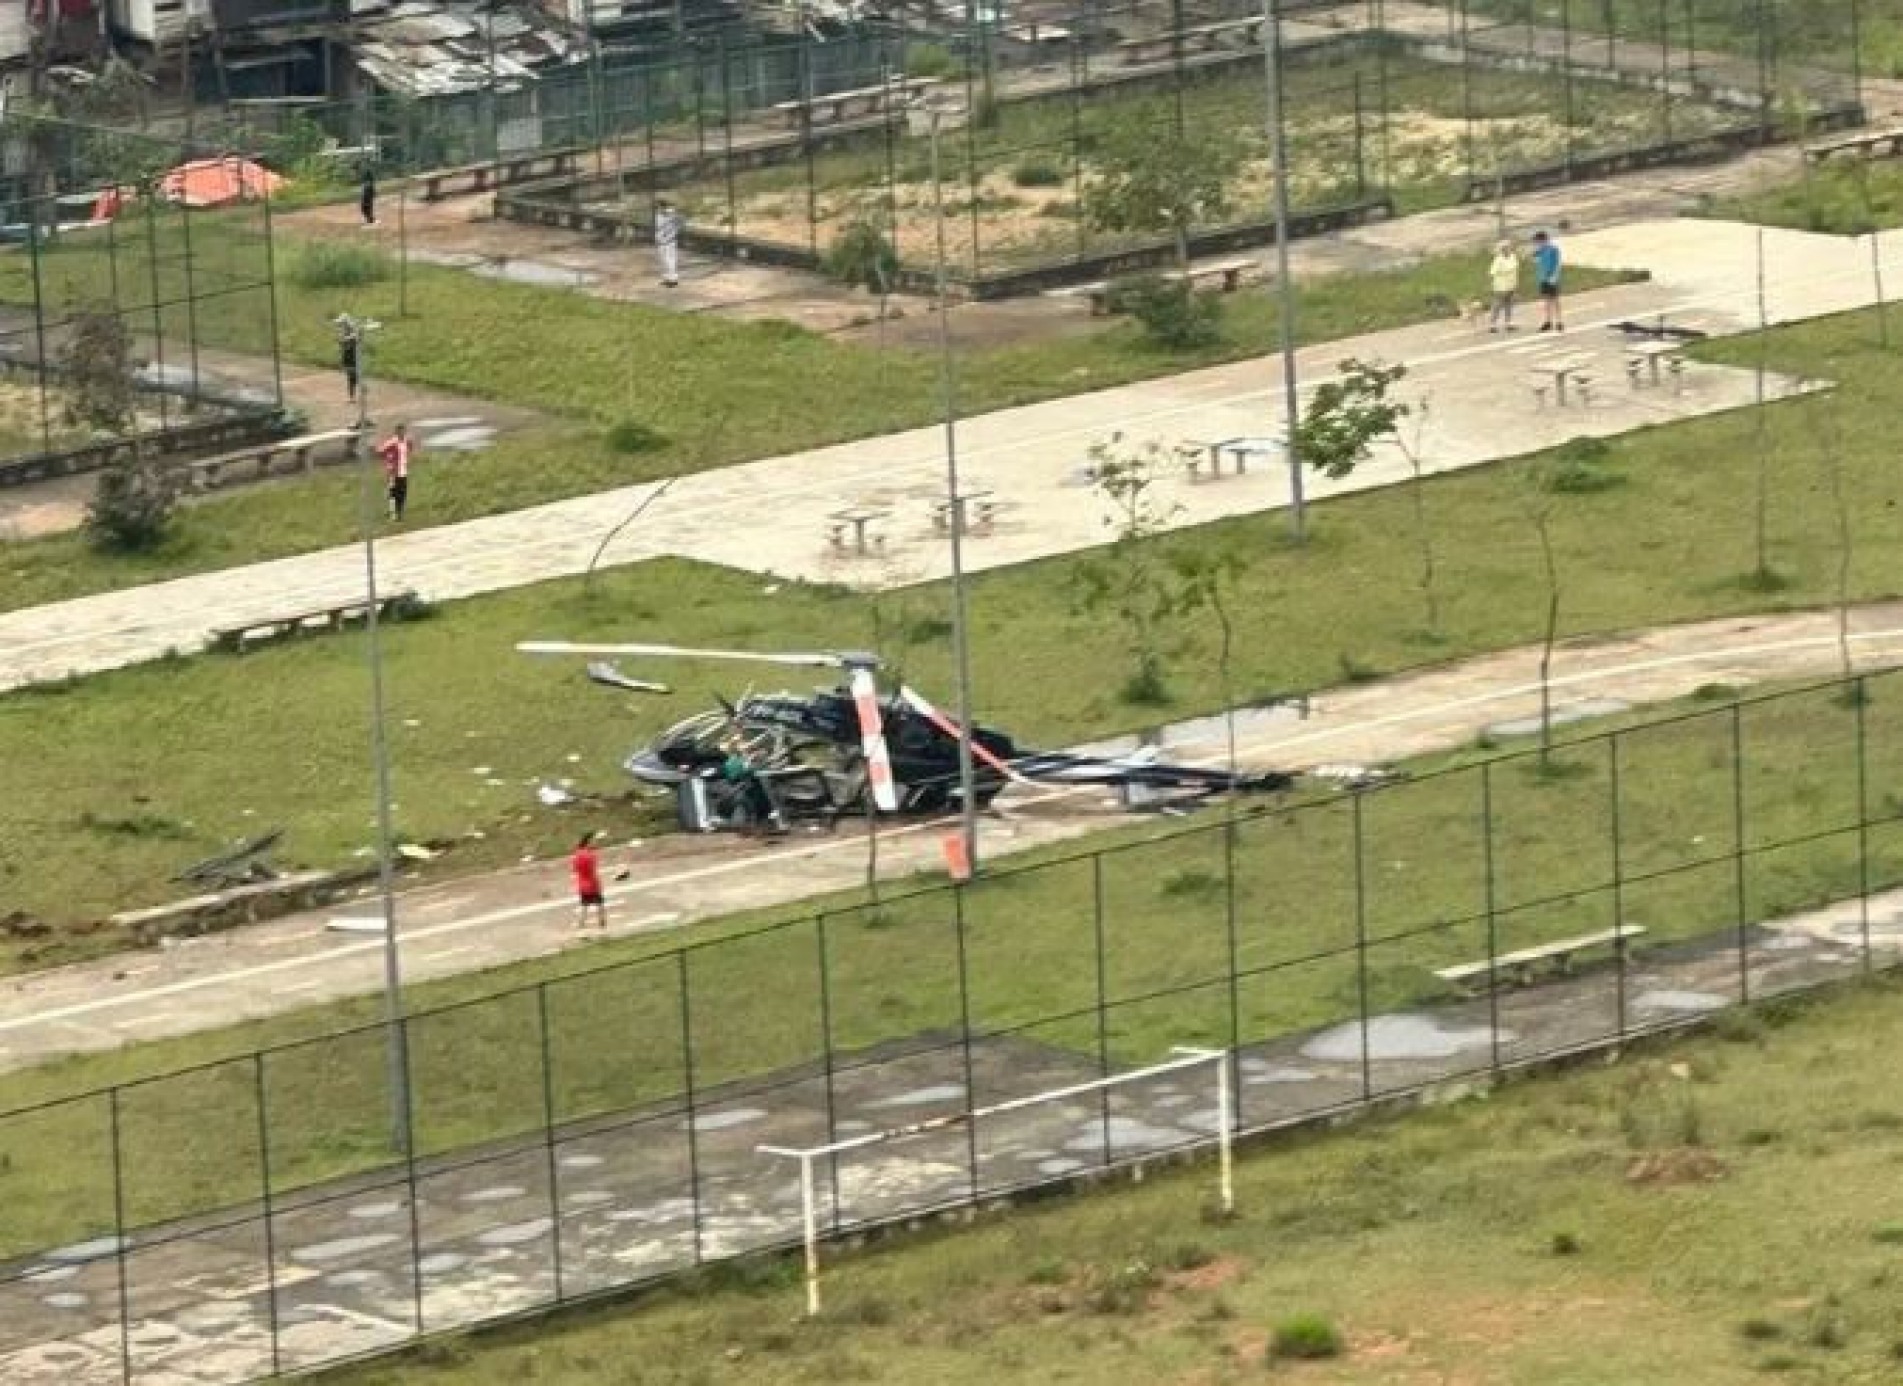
{"type": "Point", "coordinates": [1650, 357]}
{"type": "Point", "coordinates": [1239, 451]}
{"type": "Point", "coordinates": [857, 519]}
{"type": "Point", "coordinates": [980, 509]}
{"type": "Point", "coordinates": [1562, 373]}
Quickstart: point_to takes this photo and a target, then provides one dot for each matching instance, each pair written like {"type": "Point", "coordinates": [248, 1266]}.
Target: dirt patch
{"type": "Point", "coordinates": [1223, 1271]}
{"type": "Point", "coordinates": [1667, 1168]}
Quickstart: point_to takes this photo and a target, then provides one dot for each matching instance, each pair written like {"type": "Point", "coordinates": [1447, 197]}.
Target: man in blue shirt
{"type": "Point", "coordinates": [1546, 266]}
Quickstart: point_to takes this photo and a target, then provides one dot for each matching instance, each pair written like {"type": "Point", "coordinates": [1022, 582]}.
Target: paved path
{"type": "Point", "coordinates": [481, 922]}
{"type": "Point", "coordinates": [1029, 457]}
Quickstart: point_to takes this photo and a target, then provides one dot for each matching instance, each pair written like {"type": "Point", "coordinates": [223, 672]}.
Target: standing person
{"type": "Point", "coordinates": [1547, 262]}
{"type": "Point", "coordinates": [667, 242]}
{"type": "Point", "coordinates": [1503, 277]}
{"type": "Point", "coordinates": [348, 344]}
{"type": "Point", "coordinates": [367, 196]}
{"type": "Point", "coordinates": [585, 866]}
{"type": "Point", "coordinates": [396, 451]}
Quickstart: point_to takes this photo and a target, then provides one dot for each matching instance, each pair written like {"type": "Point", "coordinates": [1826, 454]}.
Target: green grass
{"type": "Point", "coordinates": [1029, 931]}
{"type": "Point", "coordinates": [1425, 1240]}
{"type": "Point", "coordinates": [1850, 198]}
{"type": "Point", "coordinates": [598, 366]}
{"type": "Point", "coordinates": [1441, 130]}
{"type": "Point", "coordinates": [1784, 32]}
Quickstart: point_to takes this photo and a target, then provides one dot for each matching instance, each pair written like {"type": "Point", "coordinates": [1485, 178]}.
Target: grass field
{"type": "Point", "coordinates": [1715, 1211]}
{"type": "Point", "coordinates": [1335, 904]}
{"type": "Point", "coordinates": [1844, 198]}
{"type": "Point", "coordinates": [589, 362]}
{"type": "Point", "coordinates": [1363, 125]}
{"type": "Point", "coordinates": [1847, 35]}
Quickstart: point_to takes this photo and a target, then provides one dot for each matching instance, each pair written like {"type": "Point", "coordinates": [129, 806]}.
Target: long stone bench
{"type": "Point", "coordinates": [1224, 35]}
{"type": "Point", "coordinates": [244, 904]}
{"type": "Point", "coordinates": [1522, 963]}
{"type": "Point", "coordinates": [1225, 275]}
{"type": "Point", "coordinates": [497, 173]}
{"type": "Point", "coordinates": [239, 636]}
{"type": "Point", "coordinates": [838, 106]}
{"type": "Point", "coordinates": [278, 456]}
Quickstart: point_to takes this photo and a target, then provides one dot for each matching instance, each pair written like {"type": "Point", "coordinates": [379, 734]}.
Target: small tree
{"type": "Point", "coordinates": [862, 257]}
{"type": "Point", "coordinates": [1348, 415]}
{"type": "Point", "coordinates": [1207, 576]}
{"type": "Point", "coordinates": [1412, 450]}
{"type": "Point", "coordinates": [96, 360]}
{"type": "Point", "coordinates": [1155, 179]}
{"type": "Point", "coordinates": [1540, 512]}
{"type": "Point", "coordinates": [132, 505]}
{"type": "Point", "coordinates": [1132, 580]}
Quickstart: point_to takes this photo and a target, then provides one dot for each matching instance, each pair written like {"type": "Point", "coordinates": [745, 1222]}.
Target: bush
{"type": "Point", "coordinates": [1306, 1336]}
{"type": "Point", "coordinates": [1033, 173]}
{"type": "Point", "coordinates": [132, 505]}
{"type": "Point", "coordinates": [1172, 313]}
{"type": "Point", "coordinates": [929, 60]}
{"type": "Point", "coordinates": [862, 256]}
{"type": "Point", "coordinates": [631, 436]}
{"type": "Point", "coordinates": [327, 266]}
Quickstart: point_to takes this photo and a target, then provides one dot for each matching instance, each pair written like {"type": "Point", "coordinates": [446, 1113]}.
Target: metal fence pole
{"type": "Point", "coordinates": [1491, 904]}
{"type": "Point", "coordinates": [1361, 948]}
{"type": "Point", "coordinates": [271, 301]}
{"type": "Point", "coordinates": [1665, 70]}
{"type": "Point", "coordinates": [1103, 996]}
{"type": "Point", "coordinates": [264, 1203]}
{"type": "Point", "coordinates": [964, 1032]}
{"type": "Point", "coordinates": [1618, 881]}
{"type": "Point", "coordinates": [1862, 694]}
{"type": "Point", "coordinates": [1566, 79]}
{"type": "Point", "coordinates": [39, 326]}
{"type": "Point", "coordinates": [687, 1076]}
{"type": "Point", "coordinates": [158, 316]}
{"type": "Point", "coordinates": [1235, 952]}
{"type": "Point", "coordinates": [726, 128]}
{"type": "Point", "coordinates": [822, 956]}
{"type": "Point", "coordinates": [191, 306]}
{"type": "Point", "coordinates": [1738, 846]}
{"type": "Point", "coordinates": [120, 1242]}
{"type": "Point", "coordinates": [548, 1136]}
{"type": "Point", "coordinates": [409, 1175]}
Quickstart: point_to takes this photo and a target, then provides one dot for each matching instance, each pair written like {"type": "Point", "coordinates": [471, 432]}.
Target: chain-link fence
{"type": "Point", "coordinates": [122, 259]}
{"type": "Point", "coordinates": [601, 1129]}
{"type": "Point", "coordinates": [1390, 105]}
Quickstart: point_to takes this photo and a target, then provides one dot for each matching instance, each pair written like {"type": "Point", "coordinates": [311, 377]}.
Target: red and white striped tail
{"type": "Point", "coordinates": [865, 699]}
{"type": "Point", "coordinates": [952, 729]}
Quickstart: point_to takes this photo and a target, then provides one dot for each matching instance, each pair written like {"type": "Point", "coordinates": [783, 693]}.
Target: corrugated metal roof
{"type": "Point", "coordinates": [446, 47]}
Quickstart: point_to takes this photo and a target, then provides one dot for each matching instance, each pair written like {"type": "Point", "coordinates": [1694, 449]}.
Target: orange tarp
{"type": "Point", "coordinates": [214, 182]}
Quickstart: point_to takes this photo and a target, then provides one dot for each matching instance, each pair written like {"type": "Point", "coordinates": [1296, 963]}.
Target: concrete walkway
{"type": "Point", "coordinates": [1030, 459]}
{"type": "Point", "coordinates": [481, 922]}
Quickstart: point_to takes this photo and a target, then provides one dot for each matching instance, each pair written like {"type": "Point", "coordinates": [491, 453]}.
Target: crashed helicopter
{"type": "Point", "coordinates": [851, 748]}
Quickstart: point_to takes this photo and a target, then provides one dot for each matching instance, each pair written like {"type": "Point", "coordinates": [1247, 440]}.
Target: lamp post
{"type": "Point", "coordinates": [924, 117]}
{"type": "Point", "coordinates": [1278, 156]}
{"type": "Point", "coordinates": [355, 333]}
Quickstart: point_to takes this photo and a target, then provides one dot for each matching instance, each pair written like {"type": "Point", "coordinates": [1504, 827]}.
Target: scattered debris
{"type": "Point", "coordinates": [1349, 776]}
{"type": "Point", "coordinates": [554, 797]}
{"type": "Point", "coordinates": [413, 852]}
{"type": "Point", "coordinates": [20, 924]}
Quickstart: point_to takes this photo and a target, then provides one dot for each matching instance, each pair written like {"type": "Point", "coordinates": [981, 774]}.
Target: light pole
{"type": "Point", "coordinates": [1278, 156]}
{"type": "Point", "coordinates": [927, 117]}
{"type": "Point", "coordinates": [356, 332]}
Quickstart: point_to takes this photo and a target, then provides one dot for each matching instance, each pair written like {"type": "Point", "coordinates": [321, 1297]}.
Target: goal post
{"type": "Point", "coordinates": [1184, 1057]}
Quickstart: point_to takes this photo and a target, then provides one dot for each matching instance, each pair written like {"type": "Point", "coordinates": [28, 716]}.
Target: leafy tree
{"type": "Point", "coordinates": [96, 360]}
{"type": "Point", "coordinates": [132, 506]}
{"type": "Point", "coordinates": [1156, 179]}
{"type": "Point", "coordinates": [1133, 579]}
{"type": "Point", "coordinates": [1348, 415]}
{"type": "Point", "coordinates": [863, 257]}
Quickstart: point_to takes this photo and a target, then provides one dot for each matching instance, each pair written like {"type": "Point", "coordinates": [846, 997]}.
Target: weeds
{"type": "Point", "coordinates": [1305, 1337]}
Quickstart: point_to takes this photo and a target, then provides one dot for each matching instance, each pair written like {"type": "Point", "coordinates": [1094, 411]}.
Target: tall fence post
{"type": "Point", "coordinates": [264, 1204]}
{"type": "Point", "coordinates": [548, 1136]}
{"type": "Point", "coordinates": [158, 306]}
{"type": "Point", "coordinates": [687, 1079]}
{"type": "Point", "coordinates": [191, 307]}
{"type": "Point", "coordinates": [1665, 70]}
{"type": "Point", "coordinates": [1103, 997]}
{"type": "Point", "coordinates": [1861, 692]}
{"type": "Point", "coordinates": [1738, 849]}
{"type": "Point", "coordinates": [822, 959]}
{"type": "Point", "coordinates": [1491, 903]}
{"type": "Point", "coordinates": [1233, 1068]}
{"type": "Point", "coordinates": [39, 323]}
{"type": "Point", "coordinates": [1619, 979]}
{"type": "Point", "coordinates": [121, 1241]}
{"type": "Point", "coordinates": [1361, 947]}
{"type": "Point", "coordinates": [964, 1035]}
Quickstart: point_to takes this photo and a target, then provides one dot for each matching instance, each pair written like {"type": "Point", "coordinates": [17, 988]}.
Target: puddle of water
{"type": "Point", "coordinates": [1401, 1037]}
{"type": "Point", "coordinates": [500, 1193]}
{"type": "Point", "coordinates": [1255, 1073]}
{"type": "Point", "coordinates": [66, 1300]}
{"type": "Point", "coordinates": [581, 1162]}
{"type": "Point", "coordinates": [516, 1233]}
{"type": "Point", "coordinates": [343, 1248]}
{"type": "Point", "coordinates": [922, 1097]}
{"type": "Point", "coordinates": [368, 1211]}
{"type": "Point", "coordinates": [84, 1251]}
{"type": "Point", "coordinates": [721, 1121]}
{"type": "Point", "coordinates": [441, 1262]}
{"type": "Point", "coordinates": [1693, 1001]}
{"type": "Point", "coordinates": [534, 272]}
{"type": "Point", "coordinates": [1059, 1166]}
{"type": "Point", "coordinates": [1125, 1134]}
{"type": "Point", "coordinates": [471, 438]}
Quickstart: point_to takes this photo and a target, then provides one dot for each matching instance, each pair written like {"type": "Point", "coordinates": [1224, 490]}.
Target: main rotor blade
{"type": "Point", "coordinates": [802, 659]}
{"type": "Point", "coordinates": [611, 677]}
{"type": "Point", "coordinates": [865, 700]}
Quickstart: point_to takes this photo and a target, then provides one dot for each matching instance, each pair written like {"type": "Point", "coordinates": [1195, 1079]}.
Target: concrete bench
{"type": "Point", "coordinates": [275, 456]}
{"type": "Point", "coordinates": [239, 636]}
{"type": "Point", "coordinates": [1871, 144]}
{"type": "Point", "coordinates": [1521, 964]}
{"type": "Point", "coordinates": [859, 101]}
{"type": "Point", "coordinates": [1223, 274]}
{"type": "Point", "coordinates": [497, 173]}
{"type": "Point", "coordinates": [1197, 38]}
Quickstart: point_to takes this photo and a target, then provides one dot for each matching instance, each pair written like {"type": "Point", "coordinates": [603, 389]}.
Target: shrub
{"type": "Point", "coordinates": [1034, 173]}
{"type": "Point", "coordinates": [1306, 1336]}
{"type": "Point", "coordinates": [1126, 1290]}
{"type": "Point", "coordinates": [1759, 1330]}
{"type": "Point", "coordinates": [631, 436]}
{"type": "Point", "coordinates": [132, 504]}
{"type": "Point", "coordinates": [1566, 1244]}
{"type": "Point", "coordinates": [929, 60]}
{"type": "Point", "coordinates": [1172, 313]}
{"type": "Point", "coordinates": [324, 265]}
{"type": "Point", "coordinates": [862, 256]}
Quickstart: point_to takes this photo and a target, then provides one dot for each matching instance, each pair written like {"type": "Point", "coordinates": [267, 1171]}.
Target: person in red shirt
{"type": "Point", "coordinates": [587, 871]}
{"type": "Point", "coordinates": [396, 451]}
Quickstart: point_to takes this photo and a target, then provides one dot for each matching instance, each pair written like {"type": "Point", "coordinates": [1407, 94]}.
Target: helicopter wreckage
{"type": "Point", "coordinates": [774, 758]}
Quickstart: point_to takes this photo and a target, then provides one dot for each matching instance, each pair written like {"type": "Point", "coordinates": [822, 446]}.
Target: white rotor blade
{"type": "Point", "coordinates": [570, 647]}
{"type": "Point", "coordinates": [945, 724]}
{"type": "Point", "coordinates": [865, 699]}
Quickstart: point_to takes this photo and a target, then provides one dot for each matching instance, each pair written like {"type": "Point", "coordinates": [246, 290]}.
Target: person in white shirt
{"type": "Point", "coordinates": [667, 242]}
{"type": "Point", "coordinates": [1503, 277]}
